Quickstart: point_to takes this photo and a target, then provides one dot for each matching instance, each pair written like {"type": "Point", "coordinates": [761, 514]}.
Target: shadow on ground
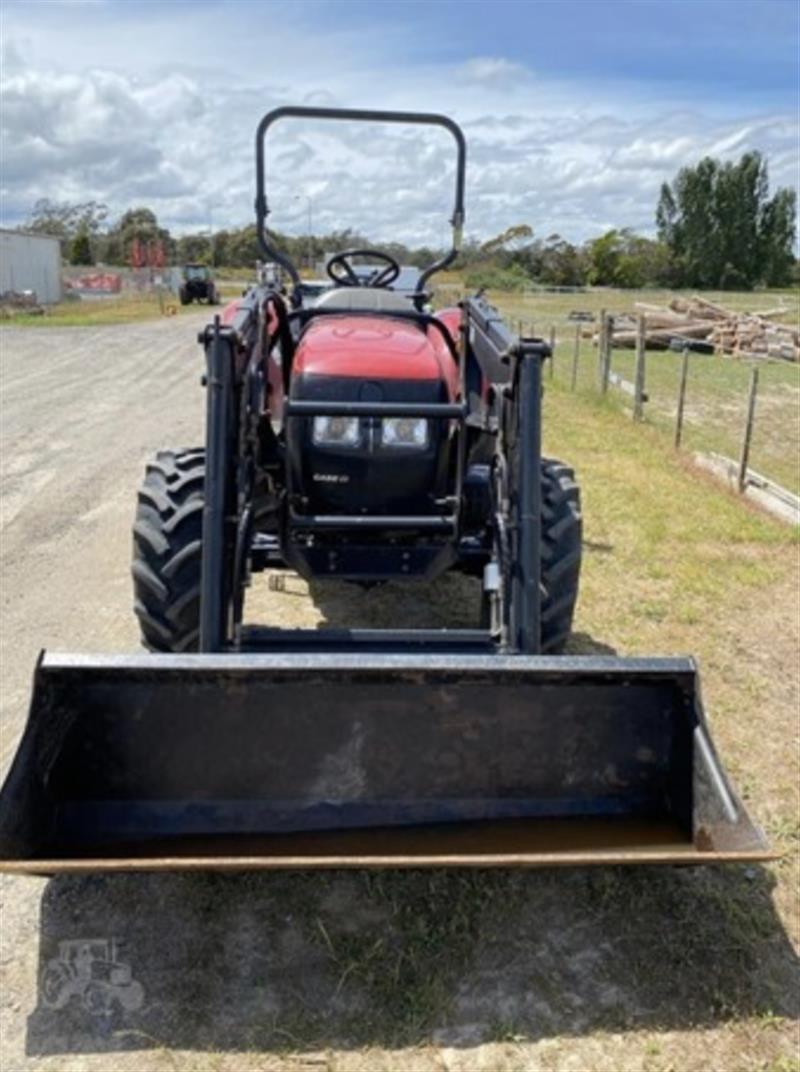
{"type": "Point", "coordinates": [270, 961]}
{"type": "Point", "coordinates": [224, 962]}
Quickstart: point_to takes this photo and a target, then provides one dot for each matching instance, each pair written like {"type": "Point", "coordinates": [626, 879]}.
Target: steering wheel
{"type": "Point", "coordinates": [344, 274]}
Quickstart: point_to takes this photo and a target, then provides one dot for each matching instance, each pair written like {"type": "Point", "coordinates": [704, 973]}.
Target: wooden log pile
{"type": "Point", "coordinates": [759, 334]}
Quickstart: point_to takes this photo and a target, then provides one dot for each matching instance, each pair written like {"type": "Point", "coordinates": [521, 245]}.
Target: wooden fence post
{"type": "Point", "coordinates": [748, 429]}
{"type": "Point", "coordinates": [609, 343]}
{"type": "Point", "coordinates": [552, 350]}
{"type": "Point", "coordinates": [638, 379]}
{"type": "Point", "coordinates": [681, 397]}
{"type": "Point", "coordinates": [601, 349]}
{"type": "Point", "coordinates": [576, 356]}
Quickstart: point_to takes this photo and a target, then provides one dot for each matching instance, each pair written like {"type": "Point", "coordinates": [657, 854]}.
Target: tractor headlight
{"type": "Point", "coordinates": [405, 432]}
{"type": "Point", "coordinates": [336, 431]}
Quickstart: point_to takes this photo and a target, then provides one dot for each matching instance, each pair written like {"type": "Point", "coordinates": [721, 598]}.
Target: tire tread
{"type": "Point", "coordinates": [167, 550]}
{"type": "Point", "coordinates": [560, 552]}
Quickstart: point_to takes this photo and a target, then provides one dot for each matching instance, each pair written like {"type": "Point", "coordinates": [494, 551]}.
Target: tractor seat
{"type": "Point", "coordinates": [364, 300]}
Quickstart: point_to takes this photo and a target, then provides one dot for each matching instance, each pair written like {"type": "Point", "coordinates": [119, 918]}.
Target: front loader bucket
{"type": "Point", "coordinates": [256, 761]}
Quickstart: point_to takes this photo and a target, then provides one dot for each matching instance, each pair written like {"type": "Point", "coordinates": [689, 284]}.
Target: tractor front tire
{"type": "Point", "coordinates": [167, 551]}
{"type": "Point", "coordinates": [560, 551]}
{"type": "Point", "coordinates": [185, 296]}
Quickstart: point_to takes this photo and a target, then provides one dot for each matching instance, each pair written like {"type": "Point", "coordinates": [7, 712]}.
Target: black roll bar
{"type": "Point", "coordinates": [363, 116]}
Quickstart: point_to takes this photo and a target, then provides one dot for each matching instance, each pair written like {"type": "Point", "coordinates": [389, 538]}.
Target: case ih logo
{"type": "Point", "coordinates": [90, 969]}
{"type": "Point", "coordinates": [331, 478]}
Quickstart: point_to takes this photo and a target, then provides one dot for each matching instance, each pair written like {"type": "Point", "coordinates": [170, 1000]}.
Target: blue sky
{"type": "Point", "coordinates": [719, 48]}
{"type": "Point", "coordinates": [575, 112]}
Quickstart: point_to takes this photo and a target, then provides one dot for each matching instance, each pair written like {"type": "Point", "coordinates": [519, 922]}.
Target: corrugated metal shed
{"type": "Point", "coordinates": [30, 262]}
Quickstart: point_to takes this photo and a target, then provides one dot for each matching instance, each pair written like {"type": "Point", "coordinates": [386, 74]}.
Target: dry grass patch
{"type": "Point", "coordinates": [91, 312]}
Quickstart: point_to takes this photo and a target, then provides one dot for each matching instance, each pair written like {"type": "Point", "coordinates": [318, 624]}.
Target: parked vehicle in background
{"type": "Point", "coordinates": [197, 285]}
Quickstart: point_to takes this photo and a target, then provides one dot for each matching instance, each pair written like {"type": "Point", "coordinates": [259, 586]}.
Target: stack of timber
{"type": "Point", "coordinates": [759, 334]}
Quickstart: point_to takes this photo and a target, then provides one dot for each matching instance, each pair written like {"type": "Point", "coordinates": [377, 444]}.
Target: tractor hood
{"type": "Point", "coordinates": [374, 348]}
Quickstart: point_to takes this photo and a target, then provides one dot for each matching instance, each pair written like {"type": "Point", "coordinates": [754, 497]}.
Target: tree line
{"type": "Point", "coordinates": [88, 238]}
{"type": "Point", "coordinates": [717, 227]}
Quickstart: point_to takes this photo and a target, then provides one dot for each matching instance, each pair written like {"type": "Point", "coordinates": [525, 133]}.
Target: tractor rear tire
{"type": "Point", "coordinates": [561, 553]}
{"type": "Point", "coordinates": [167, 551]}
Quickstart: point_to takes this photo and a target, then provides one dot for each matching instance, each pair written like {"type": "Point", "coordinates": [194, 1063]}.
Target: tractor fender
{"type": "Point", "coordinates": [228, 314]}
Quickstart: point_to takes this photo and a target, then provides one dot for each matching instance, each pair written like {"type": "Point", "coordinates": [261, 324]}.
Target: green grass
{"type": "Point", "coordinates": [716, 407]}
{"type": "Point", "coordinates": [665, 545]}
{"type": "Point", "coordinates": [230, 274]}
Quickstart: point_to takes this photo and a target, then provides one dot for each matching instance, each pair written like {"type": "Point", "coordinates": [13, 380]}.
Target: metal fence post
{"type": "Point", "coordinates": [681, 397]}
{"type": "Point", "coordinates": [576, 356]}
{"type": "Point", "coordinates": [638, 396]}
{"type": "Point", "coordinates": [748, 429]}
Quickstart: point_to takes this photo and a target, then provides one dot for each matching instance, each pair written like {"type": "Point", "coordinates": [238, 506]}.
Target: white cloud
{"type": "Point", "coordinates": [661, 153]}
{"type": "Point", "coordinates": [492, 71]}
{"type": "Point", "coordinates": [180, 137]}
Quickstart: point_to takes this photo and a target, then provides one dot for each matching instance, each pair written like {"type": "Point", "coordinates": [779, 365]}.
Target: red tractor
{"type": "Point", "coordinates": [371, 441]}
{"type": "Point", "coordinates": [364, 438]}
{"type": "Point", "coordinates": [370, 456]}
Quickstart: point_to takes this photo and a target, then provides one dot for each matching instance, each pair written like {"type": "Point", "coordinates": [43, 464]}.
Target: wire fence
{"type": "Point", "coordinates": [742, 414]}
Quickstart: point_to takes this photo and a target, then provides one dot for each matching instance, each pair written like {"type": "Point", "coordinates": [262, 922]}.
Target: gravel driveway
{"type": "Point", "coordinates": [80, 412]}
